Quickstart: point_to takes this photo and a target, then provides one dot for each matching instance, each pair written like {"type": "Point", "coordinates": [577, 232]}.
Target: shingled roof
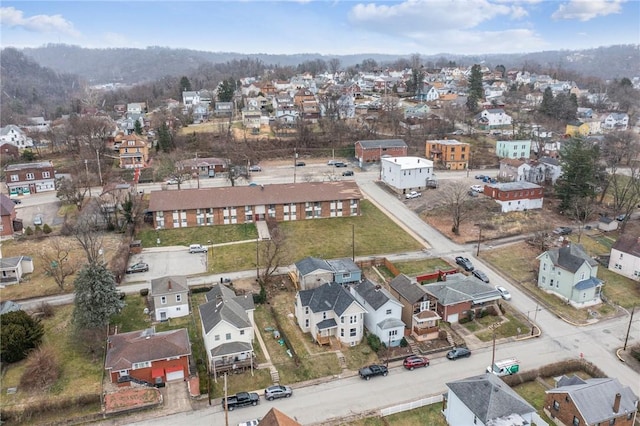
{"type": "Point", "coordinates": [489, 398]}
{"type": "Point", "coordinates": [461, 288]}
{"type": "Point", "coordinates": [375, 295]}
{"type": "Point", "coordinates": [311, 264]}
{"type": "Point", "coordinates": [169, 285]}
{"type": "Point", "coordinates": [408, 289]}
{"type": "Point", "coordinates": [189, 199]}
{"type": "Point", "coordinates": [223, 305]}
{"type": "Point", "coordinates": [327, 297]}
{"type": "Point", "coordinates": [125, 349]}
{"type": "Point", "coordinates": [629, 244]}
{"type": "Point", "coordinates": [571, 257]}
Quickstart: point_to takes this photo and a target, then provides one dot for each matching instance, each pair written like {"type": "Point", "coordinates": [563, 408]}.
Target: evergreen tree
{"type": "Point", "coordinates": [19, 333]}
{"type": "Point", "coordinates": [185, 84]}
{"type": "Point", "coordinates": [164, 138]}
{"type": "Point", "coordinates": [475, 83]}
{"type": "Point", "coordinates": [582, 174]}
{"type": "Point", "coordinates": [96, 298]}
{"type": "Point", "coordinates": [137, 127]}
{"type": "Point", "coordinates": [546, 106]}
{"type": "Point", "coordinates": [226, 90]}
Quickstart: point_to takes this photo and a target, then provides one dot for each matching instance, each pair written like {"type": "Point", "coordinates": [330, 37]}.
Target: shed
{"type": "Point", "coordinates": [607, 224]}
{"type": "Point", "coordinates": [135, 247]}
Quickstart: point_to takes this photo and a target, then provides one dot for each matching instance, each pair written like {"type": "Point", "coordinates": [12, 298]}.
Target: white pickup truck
{"type": "Point", "coordinates": [412, 194]}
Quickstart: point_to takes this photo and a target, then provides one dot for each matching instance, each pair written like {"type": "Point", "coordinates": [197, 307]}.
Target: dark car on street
{"type": "Point", "coordinates": [373, 370]}
{"type": "Point", "coordinates": [138, 267]}
{"type": "Point", "coordinates": [465, 263]}
{"type": "Point", "coordinates": [562, 230]}
{"type": "Point", "coordinates": [348, 173]}
{"type": "Point", "coordinates": [456, 353]}
{"type": "Point", "coordinates": [300, 163]}
{"type": "Point", "coordinates": [415, 361]}
{"type": "Point", "coordinates": [480, 275]}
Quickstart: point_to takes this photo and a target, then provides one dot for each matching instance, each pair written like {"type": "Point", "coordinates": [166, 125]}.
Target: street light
{"type": "Point", "coordinates": [208, 250]}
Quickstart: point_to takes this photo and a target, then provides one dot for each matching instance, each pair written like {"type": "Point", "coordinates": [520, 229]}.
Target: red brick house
{"type": "Point", "coordinates": [249, 204]}
{"type": "Point", "coordinates": [9, 151]}
{"type": "Point", "coordinates": [7, 215]}
{"type": "Point", "coordinates": [370, 151]}
{"type": "Point", "coordinates": [147, 356]}
{"type": "Point", "coordinates": [583, 402]}
{"type": "Point", "coordinates": [516, 196]}
{"type": "Point", "coordinates": [30, 178]}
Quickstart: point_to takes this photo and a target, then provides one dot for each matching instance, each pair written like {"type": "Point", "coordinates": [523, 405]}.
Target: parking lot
{"type": "Point", "coordinates": [164, 261]}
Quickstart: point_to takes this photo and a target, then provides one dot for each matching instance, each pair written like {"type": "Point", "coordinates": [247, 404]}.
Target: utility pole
{"type": "Point", "coordinates": [295, 163]}
{"type": "Point", "coordinates": [353, 242]}
{"type": "Point", "coordinates": [86, 168]}
{"type": "Point", "coordinates": [479, 239]}
{"type": "Point", "coordinates": [226, 400]}
{"type": "Point", "coordinates": [99, 169]}
{"type": "Point", "coordinates": [628, 329]}
{"type": "Point", "coordinates": [535, 315]}
{"type": "Point", "coordinates": [257, 261]}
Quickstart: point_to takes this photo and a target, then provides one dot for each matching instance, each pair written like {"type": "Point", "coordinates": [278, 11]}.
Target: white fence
{"type": "Point", "coordinates": [410, 405]}
{"type": "Point", "coordinates": [537, 420]}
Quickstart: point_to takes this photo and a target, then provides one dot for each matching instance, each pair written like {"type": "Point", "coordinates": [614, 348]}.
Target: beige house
{"type": "Point", "coordinates": [133, 151]}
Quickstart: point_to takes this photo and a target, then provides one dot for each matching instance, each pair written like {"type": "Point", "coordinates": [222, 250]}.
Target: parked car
{"type": "Point", "coordinates": [255, 168]}
{"type": "Point", "coordinates": [414, 361]}
{"type": "Point", "coordinates": [172, 181]}
{"type": "Point", "coordinates": [465, 263]}
{"type": "Point", "coordinates": [16, 201]}
{"type": "Point", "coordinates": [300, 163]}
{"type": "Point", "coordinates": [456, 353]}
{"type": "Point", "coordinates": [562, 230]}
{"type": "Point", "coordinates": [480, 275]}
{"type": "Point", "coordinates": [241, 399]}
{"type": "Point", "coordinates": [339, 164]}
{"type": "Point", "coordinates": [331, 162]}
{"type": "Point", "coordinates": [504, 292]}
{"type": "Point", "coordinates": [348, 173]}
{"type": "Point", "coordinates": [373, 370]}
{"type": "Point", "coordinates": [137, 267]}
{"type": "Point", "coordinates": [252, 422]}
{"type": "Point", "coordinates": [277, 391]}
{"type": "Point", "coordinates": [197, 248]}
{"type": "Point", "coordinates": [621, 217]}
{"type": "Point", "coordinates": [481, 177]}
{"type": "Point", "coordinates": [457, 132]}
{"type": "Point", "coordinates": [477, 188]}
{"type": "Point", "coordinates": [412, 194]}
{"type": "Point", "coordinates": [38, 220]}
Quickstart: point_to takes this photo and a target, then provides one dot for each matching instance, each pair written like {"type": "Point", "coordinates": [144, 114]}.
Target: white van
{"type": "Point", "coordinates": [504, 367]}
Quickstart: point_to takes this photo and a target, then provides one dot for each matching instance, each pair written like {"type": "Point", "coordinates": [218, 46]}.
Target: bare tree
{"type": "Point", "coordinates": [56, 261]}
{"type": "Point", "coordinates": [72, 191]}
{"type": "Point", "coordinates": [88, 233]}
{"type": "Point", "coordinates": [457, 201]}
{"type": "Point", "coordinates": [583, 210]}
{"type": "Point", "coordinates": [334, 65]}
{"type": "Point", "coordinates": [273, 253]}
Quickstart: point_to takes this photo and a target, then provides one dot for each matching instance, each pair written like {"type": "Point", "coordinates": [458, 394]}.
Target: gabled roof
{"type": "Point", "coordinates": [489, 398]}
{"type": "Point", "coordinates": [7, 306]}
{"type": "Point", "coordinates": [407, 288]}
{"type": "Point", "coordinates": [461, 288]}
{"type": "Point", "coordinates": [126, 349]}
{"type": "Point", "coordinates": [571, 257]}
{"type": "Point", "coordinates": [169, 285]}
{"type": "Point", "coordinates": [312, 264]}
{"type": "Point", "coordinates": [327, 297]}
{"type": "Point", "coordinates": [223, 305]}
{"type": "Point", "coordinates": [12, 262]}
{"type": "Point", "coordinates": [375, 295]}
{"type": "Point", "coordinates": [275, 193]}
{"type": "Point", "coordinates": [594, 398]}
{"type": "Point", "coordinates": [6, 206]}
{"type": "Point", "coordinates": [629, 244]}
{"type": "Point", "coordinates": [275, 417]}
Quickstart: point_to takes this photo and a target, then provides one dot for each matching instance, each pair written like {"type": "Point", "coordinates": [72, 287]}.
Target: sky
{"type": "Point", "coordinates": [328, 27]}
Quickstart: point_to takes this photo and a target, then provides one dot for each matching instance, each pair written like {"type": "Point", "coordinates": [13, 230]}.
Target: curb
{"type": "Point", "coordinates": [618, 355]}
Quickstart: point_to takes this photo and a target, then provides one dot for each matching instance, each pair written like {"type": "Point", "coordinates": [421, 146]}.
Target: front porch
{"type": "Point", "coordinates": [425, 325]}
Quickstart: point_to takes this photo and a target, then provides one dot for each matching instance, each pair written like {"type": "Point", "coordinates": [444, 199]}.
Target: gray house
{"type": "Point", "coordinates": [13, 268]}
{"type": "Point", "coordinates": [569, 273]}
{"type": "Point", "coordinates": [486, 400]}
{"type": "Point", "coordinates": [312, 272]}
{"type": "Point", "coordinates": [170, 297]}
{"type": "Point", "coordinates": [345, 270]}
{"type": "Point", "coordinates": [383, 312]}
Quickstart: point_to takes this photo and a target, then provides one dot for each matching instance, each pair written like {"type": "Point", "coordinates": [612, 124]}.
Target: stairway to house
{"type": "Point", "coordinates": [341, 360]}
{"type": "Point", "coordinates": [275, 376]}
{"type": "Point", "coordinates": [415, 349]}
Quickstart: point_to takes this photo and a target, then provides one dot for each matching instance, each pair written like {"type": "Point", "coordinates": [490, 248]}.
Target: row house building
{"type": "Point", "coordinates": [30, 178]}
{"type": "Point", "coordinates": [249, 204]}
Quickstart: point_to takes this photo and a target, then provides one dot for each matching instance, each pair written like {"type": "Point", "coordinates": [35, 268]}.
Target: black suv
{"type": "Point", "coordinates": [465, 263]}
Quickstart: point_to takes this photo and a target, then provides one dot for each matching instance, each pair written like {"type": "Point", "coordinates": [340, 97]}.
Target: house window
{"type": "Point", "coordinates": [388, 311]}
{"type": "Point", "coordinates": [138, 365]}
{"type": "Point", "coordinates": [544, 279]}
{"type": "Point", "coordinates": [342, 332]}
{"type": "Point", "coordinates": [14, 178]}
{"type": "Point", "coordinates": [544, 266]}
{"type": "Point", "coordinates": [393, 333]}
{"type": "Point", "coordinates": [576, 421]}
{"type": "Point", "coordinates": [346, 276]}
{"type": "Point", "coordinates": [612, 421]}
{"type": "Point", "coordinates": [228, 336]}
{"type": "Point", "coordinates": [324, 315]}
{"type": "Point", "coordinates": [353, 319]}
{"type": "Point", "coordinates": [556, 405]}
{"type": "Point", "coordinates": [353, 332]}
{"type": "Point", "coordinates": [306, 323]}
{"type": "Point", "coordinates": [551, 283]}
{"type": "Point", "coordinates": [475, 420]}
{"type": "Point", "coordinates": [30, 176]}
{"type": "Point", "coordinates": [163, 300]}
{"type": "Point", "coordinates": [177, 308]}
{"type": "Point", "coordinates": [306, 310]}
{"type": "Point", "coordinates": [46, 175]}
{"type": "Point", "coordinates": [341, 320]}
{"type": "Point", "coordinates": [216, 337]}
{"type": "Point", "coordinates": [242, 332]}
{"type": "Point", "coordinates": [178, 298]}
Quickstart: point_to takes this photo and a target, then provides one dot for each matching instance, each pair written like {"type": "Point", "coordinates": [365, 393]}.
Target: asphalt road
{"type": "Point", "coordinates": [344, 396]}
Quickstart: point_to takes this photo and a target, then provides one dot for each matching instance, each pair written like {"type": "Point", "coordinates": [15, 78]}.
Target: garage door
{"type": "Point", "coordinates": [174, 375]}
{"type": "Point", "coordinates": [452, 318]}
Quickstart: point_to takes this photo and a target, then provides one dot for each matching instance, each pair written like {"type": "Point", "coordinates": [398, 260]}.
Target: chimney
{"type": "Point", "coordinates": [378, 287]}
{"type": "Point", "coordinates": [616, 403]}
{"type": "Point", "coordinates": [169, 284]}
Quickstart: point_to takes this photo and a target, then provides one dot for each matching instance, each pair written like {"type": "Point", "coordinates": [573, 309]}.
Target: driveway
{"type": "Point", "coordinates": [164, 261]}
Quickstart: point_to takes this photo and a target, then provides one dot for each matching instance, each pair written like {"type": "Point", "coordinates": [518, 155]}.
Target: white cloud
{"type": "Point", "coordinates": [518, 12]}
{"type": "Point", "coordinates": [585, 10]}
{"type": "Point", "coordinates": [13, 18]}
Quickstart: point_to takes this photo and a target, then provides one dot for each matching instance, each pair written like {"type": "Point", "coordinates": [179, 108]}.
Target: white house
{"type": "Point", "coordinates": [330, 312]}
{"type": "Point", "coordinates": [616, 121]}
{"type": "Point", "coordinates": [383, 312]}
{"type": "Point", "coordinates": [170, 297]}
{"type": "Point", "coordinates": [14, 135]}
{"type": "Point", "coordinates": [406, 173]}
{"type": "Point", "coordinates": [486, 400]}
{"type": "Point", "coordinates": [625, 257]}
{"type": "Point", "coordinates": [227, 327]}
{"type": "Point", "coordinates": [569, 273]}
{"type": "Point", "coordinates": [514, 170]}
{"type": "Point", "coordinates": [516, 196]}
{"type": "Point", "coordinates": [493, 118]}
